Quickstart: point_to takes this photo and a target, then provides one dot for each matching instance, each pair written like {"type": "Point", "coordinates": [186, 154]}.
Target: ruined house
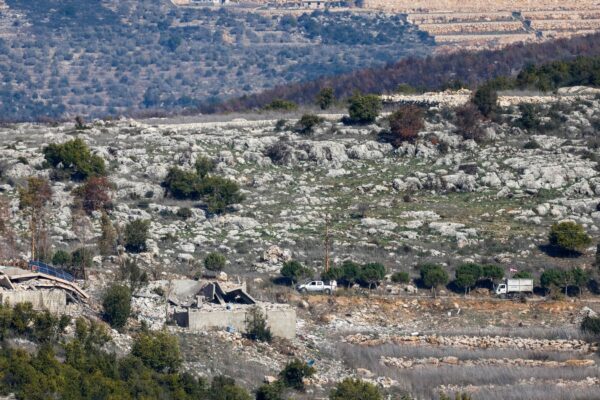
{"type": "Point", "coordinates": [222, 305]}
{"type": "Point", "coordinates": [42, 290]}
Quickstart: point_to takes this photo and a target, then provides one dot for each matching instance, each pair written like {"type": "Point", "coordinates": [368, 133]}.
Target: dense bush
{"type": "Point", "coordinates": [350, 272]}
{"type": "Point", "coordinates": [433, 276]}
{"type": "Point", "coordinates": [467, 276]}
{"type": "Point", "coordinates": [325, 98]}
{"type": "Point", "coordinates": [523, 275]}
{"type": "Point", "coordinates": [294, 271]}
{"type": "Point", "coordinates": [405, 124]}
{"type": "Point", "coordinates": [281, 105]}
{"type": "Point", "coordinates": [256, 326]}
{"type": "Point", "coordinates": [591, 325]}
{"type": "Point", "coordinates": [371, 274]}
{"type": "Point", "coordinates": [61, 258]}
{"type": "Point", "coordinates": [21, 320]}
{"type": "Point", "coordinates": [355, 389]}
{"type": "Point", "coordinates": [400, 277]}
{"type": "Point", "coordinates": [82, 258]}
{"type": "Point", "coordinates": [364, 109]}
{"type": "Point", "coordinates": [135, 235]}
{"type": "Point", "coordinates": [184, 213]}
{"type": "Point", "coordinates": [214, 261]}
{"type": "Point", "coordinates": [158, 350]}
{"type": "Point", "coordinates": [133, 275]}
{"type": "Point", "coordinates": [486, 100]}
{"type": "Point", "coordinates": [218, 193]}
{"type": "Point", "coordinates": [294, 373]}
{"type": "Point", "coordinates": [273, 391]}
{"type": "Point", "coordinates": [117, 305]}
{"type": "Point", "coordinates": [74, 159]}
{"type": "Point", "coordinates": [307, 123]}
{"type": "Point", "coordinates": [568, 236]}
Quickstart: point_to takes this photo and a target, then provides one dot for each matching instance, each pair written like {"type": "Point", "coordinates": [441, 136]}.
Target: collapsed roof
{"type": "Point", "coordinates": [12, 278]}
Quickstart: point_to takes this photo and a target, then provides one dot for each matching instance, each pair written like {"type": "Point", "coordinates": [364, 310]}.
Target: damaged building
{"type": "Point", "coordinates": [42, 290]}
{"type": "Point", "coordinates": [222, 305]}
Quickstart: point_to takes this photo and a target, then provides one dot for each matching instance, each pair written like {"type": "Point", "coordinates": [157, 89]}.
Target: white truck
{"type": "Point", "coordinates": [317, 287]}
{"type": "Point", "coordinates": [514, 287]}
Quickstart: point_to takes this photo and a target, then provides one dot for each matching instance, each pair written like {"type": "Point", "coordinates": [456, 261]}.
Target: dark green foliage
{"type": "Point", "coordinates": [82, 258]}
{"type": "Point", "coordinates": [21, 320]}
{"type": "Point", "coordinates": [86, 371]}
{"type": "Point", "coordinates": [400, 277]}
{"type": "Point", "coordinates": [117, 305]}
{"type": "Point", "coordinates": [486, 100]}
{"type": "Point", "coordinates": [467, 275]}
{"type": "Point", "coordinates": [433, 276]}
{"type": "Point", "coordinates": [294, 271]}
{"type": "Point", "coordinates": [364, 109]}
{"type": "Point", "coordinates": [61, 258]}
{"type": "Point", "coordinates": [307, 123]}
{"type": "Point", "coordinates": [569, 236]}
{"type": "Point", "coordinates": [581, 71]}
{"type": "Point", "coordinates": [135, 235]}
{"type": "Point", "coordinates": [132, 273]}
{"type": "Point", "coordinates": [591, 325]}
{"type": "Point", "coordinates": [204, 166]}
{"type": "Point", "coordinates": [75, 158]}
{"type": "Point", "coordinates": [224, 388]}
{"type": "Point", "coordinates": [523, 275]}
{"type": "Point", "coordinates": [492, 272]}
{"type": "Point", "coordinates": [554, 277]}
{"type": "Point", "coordinates": [214, 261]}
{"type": "Point", "coordinates": [371, 274]}
{"type": "Point", "coordinates": [157, 350]}
{"type": "Point", "coordinates": [273, 391]}
{"type": "Point", "coordinates": [325, 98]}
{"type": "Point", "coordinates": [294, 373]}
{"type": "Point", "coordinates": [184, 213]}
{"type": "Point", "coordinates": [256, 326]}
{"type": "Point", "coordinates": [218, 193]}
{"type": "Point", "coordinates": [355, 389]}
{"type": "Point", "coordinates": [529, 118]}
{"type": "Point", "coordinates": [281, 105]}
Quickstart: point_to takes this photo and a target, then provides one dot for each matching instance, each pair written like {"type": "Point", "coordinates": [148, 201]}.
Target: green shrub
{"type": "Point", "coordinates": [184, 213]}
{"type": "Point", "coordinates": [371, 274]}
{"type": "Point", "coordinates": [76, 160]}
{"type": "Point", "coordinates": [364, 109]}
{"type": "Point", "coordinates": [218, 193]}
{"type": "Point", "coordinates": [215, 261]}
{"type": "Point", "coordinates": [468, 122]}
{"type": "Point", "coordinates": [294, 373]}
{"type": "Point", "coordinates": [224, 388]}
{"type": "Point", "coordinates": [400, 277]}
{"type": "Point", "coordinates": [569, 236]}
{"type": "Point", "coordinates": [158, 350]}
{"type": "Point", "coordinates": [523, 275]}
{"type": "Point", "coordinates": [135, 235]}
{"type": "Point", "coordinates": [325, 98]}
{"type": "Point", "coordinates": [492, 272]}
{"type": "Point", "coordinates": [82, 257]}
{"type": "Point", "coordinates": [591, 325]}
{"type": "Point", "coordinates": [204, 166]}
{"type": "Point", "coordinates": [117, 305]}
{"type": "Point", "coordinates": [281, 105]}
{"type": "Point", "coordinates": [433, 276]}
{"type": "Point", "coordinates": [61, 258]}
{"type": "Point", "coordinates": [134, 275]}
{"type": "Point", "coordinates": [272, 391]}
{"type": "Point", "coordinates": [256, 326]}
{"type": "Point", "coordinates": [307, 123]}
{"type": "Point", "coordinates": [294, 271]}
{"type": "Point", "coordinates": [486, 100]}
{"type": "Point", "coordinates": [355, 389]}
{"type": "Point", "coordinates": [467, 275]}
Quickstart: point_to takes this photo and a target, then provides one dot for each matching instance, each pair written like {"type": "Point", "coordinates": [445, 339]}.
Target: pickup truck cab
{"type": "Point", "coordinates": [317, 287]}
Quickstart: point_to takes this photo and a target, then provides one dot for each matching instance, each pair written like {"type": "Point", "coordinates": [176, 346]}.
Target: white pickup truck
{"type": "Point", "coordinates": [317, 287]}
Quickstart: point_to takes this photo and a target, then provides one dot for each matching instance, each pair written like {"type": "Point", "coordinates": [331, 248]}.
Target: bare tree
{"type": "Point", "coordinates": [33, 201]}
{"type": "Point", "coordinates": [8, 246]}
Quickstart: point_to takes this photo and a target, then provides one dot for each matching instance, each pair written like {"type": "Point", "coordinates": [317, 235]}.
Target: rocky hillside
{"type": "Point", "coordinates": [441, 198]}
